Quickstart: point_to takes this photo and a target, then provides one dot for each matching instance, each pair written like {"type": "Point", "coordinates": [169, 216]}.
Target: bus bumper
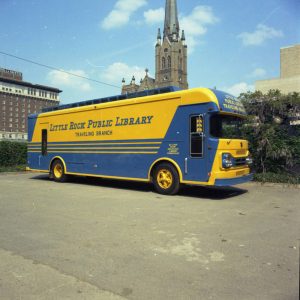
{"type": "Point", "coordinates": [233, 181]}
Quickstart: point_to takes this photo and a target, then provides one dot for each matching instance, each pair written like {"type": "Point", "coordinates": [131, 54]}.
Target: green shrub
{"type": "Point", "coordinates": [274, 143]}
{"type": "Point", "coordinates": [277, 178]}
{"type": "Point", "coordinates": [12, 153]}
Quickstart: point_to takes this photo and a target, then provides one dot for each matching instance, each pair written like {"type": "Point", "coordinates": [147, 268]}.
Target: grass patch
{"type": "Point", "coordinates": [18, 168]}
{"type": "Point", "coordinates": [277, 178]}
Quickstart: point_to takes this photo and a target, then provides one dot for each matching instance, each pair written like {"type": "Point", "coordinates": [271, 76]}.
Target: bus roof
{"type": "Point", "coordinates": [224, 102]}
{"type": "Point", "coordinates": [152, 92]}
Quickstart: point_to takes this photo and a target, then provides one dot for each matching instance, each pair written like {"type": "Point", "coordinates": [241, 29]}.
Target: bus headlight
{"type": "Point", "coordinates": [249, 160]}
{"type": "Point", "coordinates": [227, 160]}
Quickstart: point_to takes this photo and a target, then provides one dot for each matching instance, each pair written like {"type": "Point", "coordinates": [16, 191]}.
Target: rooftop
{"type": "Point", "coordinates": [15, 77]}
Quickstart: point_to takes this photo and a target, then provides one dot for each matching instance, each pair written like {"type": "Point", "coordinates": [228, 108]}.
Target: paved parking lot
{"type": "Point", "coordinates": [99, 239]}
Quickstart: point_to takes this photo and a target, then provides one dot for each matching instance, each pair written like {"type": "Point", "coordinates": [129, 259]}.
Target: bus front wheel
{"type": "Point", "coordinates": [58, 171]}
{"type": "Point", "coordinates": [166, 179]}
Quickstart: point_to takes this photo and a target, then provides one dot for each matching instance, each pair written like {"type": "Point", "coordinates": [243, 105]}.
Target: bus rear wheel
{"type": "Point", "coordinates": [58, 171]}
{"type": "Point", "coordinates": [166, 179]}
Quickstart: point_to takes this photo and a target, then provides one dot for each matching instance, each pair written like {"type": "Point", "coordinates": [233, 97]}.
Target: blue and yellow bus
{"type": "Point", "coordinates": [165, 136]}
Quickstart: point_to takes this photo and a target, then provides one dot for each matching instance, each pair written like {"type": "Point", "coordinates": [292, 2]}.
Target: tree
{"type": "Point", "coordinates": [274, 143]}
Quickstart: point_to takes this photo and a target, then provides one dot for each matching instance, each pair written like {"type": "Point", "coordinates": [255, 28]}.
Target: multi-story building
{"type": "Point", "coordinates": [289, 80]}
{"type": "Point", "coordinates": [170, 57]}
{"type": "Point", "coordinates": [18, 99]}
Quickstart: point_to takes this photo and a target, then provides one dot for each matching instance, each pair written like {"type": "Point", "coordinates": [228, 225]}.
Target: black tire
{"type": "Point", "coordinates": [58, 171]}
{"type": "Point", "coordinates": [166, 179]}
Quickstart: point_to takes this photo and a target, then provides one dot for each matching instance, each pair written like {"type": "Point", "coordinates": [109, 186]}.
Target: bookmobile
{"type": "Point", "coordinates": [164, 136]}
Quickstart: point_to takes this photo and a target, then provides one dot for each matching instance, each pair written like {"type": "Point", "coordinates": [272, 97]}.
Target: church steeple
{"type": "Point", "coordinates": [170, 56]}
{"type": "Point", "coordinates": [171, 51]}
{"type": "Point", "coordinates": [171, 28]}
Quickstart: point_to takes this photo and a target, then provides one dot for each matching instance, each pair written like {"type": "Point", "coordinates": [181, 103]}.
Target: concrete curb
{"type": "Point", "coordinates": [272, 184]}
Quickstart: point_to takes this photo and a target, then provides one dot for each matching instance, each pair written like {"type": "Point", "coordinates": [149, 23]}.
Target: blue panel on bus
{"type": "Point", "coordinates": [31, 125]}
{"type": "Point", "coordinates": [233, 181]}
{"type": "Point", "coordinates": [229, 103]}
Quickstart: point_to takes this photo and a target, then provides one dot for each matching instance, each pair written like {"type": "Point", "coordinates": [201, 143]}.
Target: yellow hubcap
{"type": "Point", "coordinates": [164, 178]}
{"type": "Point", "coordinates": [58, 171]}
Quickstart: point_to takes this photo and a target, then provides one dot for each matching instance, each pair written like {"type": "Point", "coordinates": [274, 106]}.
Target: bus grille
{"type": "Point", "coordinates": [240, 161]}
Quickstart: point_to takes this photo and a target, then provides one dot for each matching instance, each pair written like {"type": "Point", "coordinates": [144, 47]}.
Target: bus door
{"type": "Point", "coordinates": [196, 160]}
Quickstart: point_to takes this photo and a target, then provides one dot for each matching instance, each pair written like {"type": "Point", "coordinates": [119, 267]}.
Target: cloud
{"type": "Point", "coordinates": [259, 36]}
{"type": "Point", "coordinates": [62, 79]}
{"type": "Point", "coordinates": [121, 13]}
{"type": "Point", "coordinates": [196, 24]}
{"type": "Point", "coordinates": [258, 73]}
{"type": "Point", "coordinates": [238, 88]}
{"type": "Point", "coordinates": [153, 16]}
{"type": "Point", "coordinates": [118, 70]}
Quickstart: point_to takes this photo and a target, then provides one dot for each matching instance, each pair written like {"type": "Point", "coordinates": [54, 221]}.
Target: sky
{"type": "Point", "coordinates": [231, 43]}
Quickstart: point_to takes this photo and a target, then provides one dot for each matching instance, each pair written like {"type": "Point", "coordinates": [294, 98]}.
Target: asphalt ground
{"type": "Point", "coordinates": [100, 239]}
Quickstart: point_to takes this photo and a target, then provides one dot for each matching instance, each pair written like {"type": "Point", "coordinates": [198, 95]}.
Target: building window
{"type": "Point", "coordinates": [169, 62]}
{"type": "Point", "coordinates": [163, 64]}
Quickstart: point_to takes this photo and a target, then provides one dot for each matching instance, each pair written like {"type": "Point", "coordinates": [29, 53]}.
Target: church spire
{"type": "Point", "coordinates": [171, 28]}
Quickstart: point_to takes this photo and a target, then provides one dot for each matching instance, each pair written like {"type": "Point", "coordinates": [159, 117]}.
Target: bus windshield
{"type": "Point", "coordinates": [226, 126]}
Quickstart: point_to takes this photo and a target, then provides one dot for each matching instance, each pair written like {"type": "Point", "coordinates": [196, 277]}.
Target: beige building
{"type": "Point", "coordinates": [289, 80]}
{"type": "Point", "coordinates": [170, 57]}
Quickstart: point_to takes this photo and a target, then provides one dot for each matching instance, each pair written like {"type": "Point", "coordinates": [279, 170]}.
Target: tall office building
{"type": "Point", "coordinates": [18, 99]}
{"type": "Point", "coordinates": [170, 56]}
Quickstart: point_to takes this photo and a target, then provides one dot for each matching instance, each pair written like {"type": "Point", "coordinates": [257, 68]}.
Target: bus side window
{"type": "Point", "coordinates": [196, 136]}
{"type": "Point", "coordinates": [44, 142]}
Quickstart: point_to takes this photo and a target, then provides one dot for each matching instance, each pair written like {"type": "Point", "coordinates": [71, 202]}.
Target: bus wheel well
{"type": "Point", "coordinates": [58, 170]}
{"type": "Point", "coordinates": [53, 161]}
{"type": "Point", "coordinates": [163, 161]}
